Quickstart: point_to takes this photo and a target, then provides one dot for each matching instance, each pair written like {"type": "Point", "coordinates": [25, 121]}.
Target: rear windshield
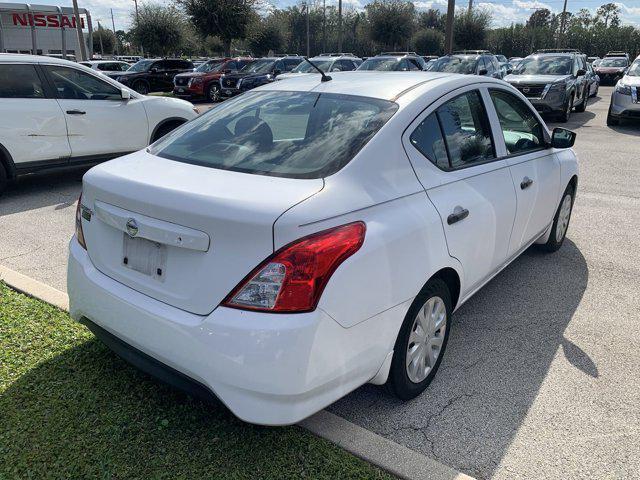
{"type": "Point", "coordinates": [283, 134]}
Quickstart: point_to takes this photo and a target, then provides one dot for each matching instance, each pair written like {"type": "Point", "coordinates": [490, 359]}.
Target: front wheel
{"type": "Point", "coordinates": [213, 93]}
{"type": "Point", "coordinates": [561, 221]}
{"type": "Point", "coordinates": [141, 87]}
{"type": "Point", "coordinates": [3, 178]}
{"type": "Point", "coordinates": [421, 342]}
{"type": "Point", "coordinates": [566, 114]}
{"type": "Point", "coordinates": [583, 105]}
{"type": "Point", "coordinates": [611, 120]}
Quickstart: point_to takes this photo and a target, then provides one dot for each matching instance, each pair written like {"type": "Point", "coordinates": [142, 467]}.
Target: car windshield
{"type": "Point", "coordinates": [384, 64]}
{"type": "Point", "coordinates": [634, 69]}
{"type": "Point", "coordinates": [283, 134]}
{"type": "Point", "coordinates": [211, 66]}
{"type": "Point", "coordinates": [259, 66]}
{"type": "Point", "coordinates": [465, 65]}
{"type": "Point", "coordinates": [141, 66]}
{"type": "Point", "coordinates": [613, 62]}
{"type": "Point", "coordinates": [305, 67]}
{"type": "Point", "coordinates": [544, 66]}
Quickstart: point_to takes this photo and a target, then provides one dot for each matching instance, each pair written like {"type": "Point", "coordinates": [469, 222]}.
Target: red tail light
{"type": "Point", "coordinates": [79, 233]}
{"type": "Point", "coordinates": [294, 277]}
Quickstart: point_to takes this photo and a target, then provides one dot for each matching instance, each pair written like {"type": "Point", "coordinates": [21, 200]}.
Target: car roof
{"type": "Point", "coordinates": [23, 58]}
{"type": "Point", "coordinates": [373, 84]}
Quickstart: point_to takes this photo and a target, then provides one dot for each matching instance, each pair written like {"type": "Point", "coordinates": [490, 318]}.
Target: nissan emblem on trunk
{"type": "Point", "coordinates": [132, 227]}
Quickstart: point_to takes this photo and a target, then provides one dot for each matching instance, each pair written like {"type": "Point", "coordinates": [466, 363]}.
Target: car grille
{"type": "Point", "coordinates": [181, 81]}
{"type": "Point", "coordinates": [534, 91]}
{"type": "Point", "coordinates": [229, 82]}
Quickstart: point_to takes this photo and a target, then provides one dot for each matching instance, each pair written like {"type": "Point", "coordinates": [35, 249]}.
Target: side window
{"type": "Point", "coordinates": [347, 65]}
{"type": "Point", "coordinates": [280, 66]}
{"type": "Point", "coordinates": [427, 139]}
{"type": "Point", "coordinates": [20, 81]}
{"type": "Point", "coordinates": [232, 65]}
{"type": "Point", "coordinates": [414, 65]}
{"type": "Point", "coordinates": [184, 65]}
{"type": "Point", "coordinates": [481, 65]}
{"type": "Point", "coordinates": [290, 64]}
{"type": "Point", "coordinates": [466, 130]}
{"type": "Point", "coordinates": [520, 127]}
{"type": "Point", "coordinates": [74, 84]}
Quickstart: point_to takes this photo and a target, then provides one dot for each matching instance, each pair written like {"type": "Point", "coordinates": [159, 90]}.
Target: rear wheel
{"type": "Point", "coordinates": [3, 178]}
{"type": "Point", "coordinates": [213, 93]}
{"type": "Point", "coordinates": [560, 221]}
{"type": "Point", "coordinates": [165, 129]}
{"type": "Point", "coordinates": [141, 87]}
{"type": "Point", "coordinates": [421, 342]}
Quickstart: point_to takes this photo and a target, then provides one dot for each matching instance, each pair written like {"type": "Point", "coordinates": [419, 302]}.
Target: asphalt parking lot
{"type": "Point", "coordinates": [541, 375]}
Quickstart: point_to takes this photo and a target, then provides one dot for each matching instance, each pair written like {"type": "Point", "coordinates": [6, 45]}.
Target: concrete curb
{"type": "Point", "coordinates": [375, 449]}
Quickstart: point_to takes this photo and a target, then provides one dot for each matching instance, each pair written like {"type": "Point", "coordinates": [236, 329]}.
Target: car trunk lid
{"type": "Point", "coordinates": [183, 234]}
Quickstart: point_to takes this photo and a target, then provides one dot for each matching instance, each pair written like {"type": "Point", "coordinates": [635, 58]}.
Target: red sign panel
{"type": "Point", "coordinates": [51, 20]}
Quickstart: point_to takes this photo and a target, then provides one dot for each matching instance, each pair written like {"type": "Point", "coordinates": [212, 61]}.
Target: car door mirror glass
{"type": "Point", "coordinates": [562, 138]}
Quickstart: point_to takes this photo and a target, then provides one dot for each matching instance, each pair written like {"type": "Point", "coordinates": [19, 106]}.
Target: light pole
{"type": "Point", "coordinates": [307, 8]}
{"type": "Point", "coordinates": [339, 25]}
{"type": "Point", "coordinates": [113, 25]}
{"type": "Point", "coordinates": [137, 24]}
{"type": "Point", "coordinates": [83, 47]}
{"type": "Point", "coordinates": [100, 37]}
{"type": "Point", "coordinates": [562, 21]}
{"type": "Point", "coordinates": [448, 36]}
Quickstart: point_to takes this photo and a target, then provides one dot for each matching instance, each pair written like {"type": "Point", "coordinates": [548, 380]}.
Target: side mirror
{"type": "Point", "coordinates": [153, 70]}
{"type": "Point", "coordinates": [581, 72]}
{"type": "Point", "coordinates": [562, 138]}
{"type": "Point", "coordinates": [509, 71]}
{"type": "Point", "coordinates": [483, 71]}
{"type": "Point", "coordinates": [125, 94]}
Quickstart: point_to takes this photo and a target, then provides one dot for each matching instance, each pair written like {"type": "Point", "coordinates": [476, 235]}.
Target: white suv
{"type": "Point", "coordinates": [56, 113]}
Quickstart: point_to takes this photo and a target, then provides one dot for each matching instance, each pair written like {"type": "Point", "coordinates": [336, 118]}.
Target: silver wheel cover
{"type": "Point", "coordinates": [425, 339]}
{"type": "Point", "coordinates": [563, 218]}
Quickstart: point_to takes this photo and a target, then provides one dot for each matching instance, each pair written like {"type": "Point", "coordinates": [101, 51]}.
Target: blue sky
{"type": "Point", "coordinates": [504, 12]}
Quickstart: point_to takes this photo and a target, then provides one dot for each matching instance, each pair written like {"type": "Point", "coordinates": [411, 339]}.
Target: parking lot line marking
{"type": "Point", "coordinates": [371, 447]}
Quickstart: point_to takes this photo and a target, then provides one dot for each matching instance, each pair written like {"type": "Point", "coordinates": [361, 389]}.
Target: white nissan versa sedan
{"type": "Point", "coordinates": [58, 114]}
{"type": "Point", "coordinates": [308, 237]}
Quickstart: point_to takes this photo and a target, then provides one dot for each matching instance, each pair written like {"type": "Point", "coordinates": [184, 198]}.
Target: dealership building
{"type": "Point", "coordinates": [42, 29]}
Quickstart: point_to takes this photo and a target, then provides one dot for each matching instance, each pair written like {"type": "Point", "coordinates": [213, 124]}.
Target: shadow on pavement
{"type": "Point", "coordinates": [42, 190]}
{"type": "Point", "coordinates": [502, 343]}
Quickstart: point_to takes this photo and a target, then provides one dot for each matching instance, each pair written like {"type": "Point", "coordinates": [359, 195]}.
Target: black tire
{"type": "Point", "coordinates": [595, 94]}
{"type": "Point", "coordinates": [554, 243]}
{"type": "Point", "coordinates": [583, 105]}
{"type": "Point", "coordinates": [164, 130]}
{"type": "Point", "coordinates": [213, 93]}
{"type": "Point", "coordinates": [3, 178]}
{"type": "Point", "coordinates": [611, 120]}
{"type": "Point", "coordinates": [399, 382]}
{"type": "Point", "coordinates": [141, 87]}
{"type": "Point", "coordinates": [566, 114]}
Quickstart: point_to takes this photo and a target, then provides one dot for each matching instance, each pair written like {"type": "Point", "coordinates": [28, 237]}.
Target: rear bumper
{"type": "Point", "coordinates": [266, 368]}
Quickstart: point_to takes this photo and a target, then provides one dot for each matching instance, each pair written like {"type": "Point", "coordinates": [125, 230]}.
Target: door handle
{"type": "Point", "coordinates": [525, 183]}
{"type": "Point", "coordinates": [75, 112]}
{"type": "Point", "coordinates": [458, 214]}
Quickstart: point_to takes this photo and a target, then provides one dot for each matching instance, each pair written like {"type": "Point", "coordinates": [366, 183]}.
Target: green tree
{"type": "Point", "coordinates": [226, 19]}
{"type": "Point", "coordinates": [429, 41]}
{"type": "Point", "coordinates": [470, 29]}
{"type": "Point", "coordinates": [540, 18]}
{"type": "Point", "coordinates": [266, 37]}
{"type": "Point", "coordinates": [609, 13]}
{"type": "Point", "coordinates": [391, 22]}
{"type": "Point", "coordinates": [160, 30]}
{"type": "Point", "coordinates": [108, 41]}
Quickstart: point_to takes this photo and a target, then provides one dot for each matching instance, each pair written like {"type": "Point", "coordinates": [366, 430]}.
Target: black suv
{"type": "Point", "coordinates": [258, 72]}
{"type": "Point", "coordinates": [153, 75]}
{"type": "Point", "coordinates": [469, 62]}
{"type": "Point", "coordinates": [394, 62]}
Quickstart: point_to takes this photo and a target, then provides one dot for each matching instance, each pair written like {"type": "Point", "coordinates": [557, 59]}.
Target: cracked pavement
{"type": "Point", "coordinates": [541, 377]}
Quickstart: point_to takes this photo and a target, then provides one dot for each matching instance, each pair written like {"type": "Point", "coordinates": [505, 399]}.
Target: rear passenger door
{"type": "Point", "coordinates": [454, 155]}
{"type": "Point", "coordinates": [534, 167]}
{"type": "Point", "coordinates": [32, 124]}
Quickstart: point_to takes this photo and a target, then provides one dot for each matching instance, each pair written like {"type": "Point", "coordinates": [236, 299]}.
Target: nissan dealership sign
{"type": "Point", "coordinates": [41, 20]}
{"type": "Point", "coordinates": [42, 29]}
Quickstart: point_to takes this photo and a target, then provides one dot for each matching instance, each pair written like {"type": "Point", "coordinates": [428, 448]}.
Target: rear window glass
{"type": "Point", "coordinates": [284, 134]}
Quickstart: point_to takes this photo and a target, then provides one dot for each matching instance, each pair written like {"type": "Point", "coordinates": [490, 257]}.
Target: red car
{"type": "Point", "coordinates": [204, 82]}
